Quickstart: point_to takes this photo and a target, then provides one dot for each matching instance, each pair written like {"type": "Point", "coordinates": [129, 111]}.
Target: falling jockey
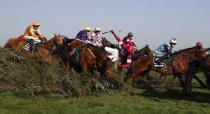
{"type": "Point", "coordinates": [128, 46]}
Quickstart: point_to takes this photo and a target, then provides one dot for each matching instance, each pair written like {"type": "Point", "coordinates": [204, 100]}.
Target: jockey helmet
{"type": "Point", "coordinates": [130, 34]}
{"type": "Point", "coordinates": [87, 28]}
{"type": "Point", "coordinates": [199, 45]}
{"type": "Point", "coordinates": [173, 41]}
{"type": "Point", "coordinates": [36, 23]}
{"type": "Point", "coordinates": [97, 29]}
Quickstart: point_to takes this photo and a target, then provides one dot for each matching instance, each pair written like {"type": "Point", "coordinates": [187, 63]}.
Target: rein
{"type": "Point", "coordinates": [91, 53]}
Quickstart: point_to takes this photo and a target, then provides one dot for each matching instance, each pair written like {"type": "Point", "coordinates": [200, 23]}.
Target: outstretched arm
{"type": "Point", "coordinates": [116, 37]}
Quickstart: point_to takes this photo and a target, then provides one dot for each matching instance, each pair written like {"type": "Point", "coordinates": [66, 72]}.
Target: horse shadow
{"type": "Point", "coordinates": [176, 94]}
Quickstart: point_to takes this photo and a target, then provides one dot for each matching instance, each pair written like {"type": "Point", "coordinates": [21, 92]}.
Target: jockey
{"type": "Point", "coordinates": [33, 35]}
{"type": "Point", "coordinates": [85, 35]}
{"type": "Point", "coordinates": [128, 47]}
{"type": "Point", "coordinates": [95, 37]}
{"type": "Point", "coordinates": [164, 51]}
{"type": "Point", "coordinates": [33, 32]}
{"type": "Point", "coordinates": [199, 45]}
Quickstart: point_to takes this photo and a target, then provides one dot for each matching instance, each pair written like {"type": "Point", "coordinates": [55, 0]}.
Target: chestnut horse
{"type": "Point", "coordinates": [180, 66]}
{"type": "Point", "coordinates": [16, 43]}
{"type": "Point", "coordinates": [86, 58]}
{"type": "Point", "coordinates": [43, 51]}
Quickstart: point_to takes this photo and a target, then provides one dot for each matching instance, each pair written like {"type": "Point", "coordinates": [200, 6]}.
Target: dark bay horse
{"type": "Point", "coordinates": [180, 66]}
{"type": "Point", "coordinates": [206, 69]}
{"type": "Point", "coordinates": [86, 58]}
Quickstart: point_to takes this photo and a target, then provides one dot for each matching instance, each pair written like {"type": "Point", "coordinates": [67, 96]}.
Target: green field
{"type": "Point", "coordinates": [133, 101]}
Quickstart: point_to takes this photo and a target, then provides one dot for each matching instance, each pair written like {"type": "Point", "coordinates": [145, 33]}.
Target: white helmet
{"type": "Point", "coordinates": [36, 23]}
{"type": "Point", "coordinates": [97, 29]}
{"type": "Point", "coordinates": [173, 41]}
{"type": "Point", "coordinates": [87, 28]}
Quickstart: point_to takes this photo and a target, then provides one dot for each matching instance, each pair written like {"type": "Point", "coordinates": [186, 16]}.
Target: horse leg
{"type": "Point", "coordinates": [182, 81]}
{"type": "Point", "coordinates": [207, 75]}
{"type": "Point", "coordinates": [49, 60]}
{"type": "Point", "coordinates": [66, 67]}
{"type": "Point", "coordinates": [84, 69]}
{"type": "Point", "coordinates": [188, 84]}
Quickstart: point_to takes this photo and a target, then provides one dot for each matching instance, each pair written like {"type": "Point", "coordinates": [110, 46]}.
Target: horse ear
{"type": "Point", "coordinates": [54, 34]}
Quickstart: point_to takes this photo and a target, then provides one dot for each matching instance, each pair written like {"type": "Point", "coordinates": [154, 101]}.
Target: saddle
{"type": "Point", "coordinates": [163, 61]}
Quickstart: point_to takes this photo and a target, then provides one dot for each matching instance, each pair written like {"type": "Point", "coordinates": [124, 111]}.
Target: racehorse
{"type": "Point", "coordinates": [16, 43]}
{"type": "Point", "coordinates": [180, 66]}
{"type": "Point", "coordinates": [85, 58]}
{"type": "Point", "coordinates": [43, 51]}
{"type": "Point", "coordinates": [206, 69]}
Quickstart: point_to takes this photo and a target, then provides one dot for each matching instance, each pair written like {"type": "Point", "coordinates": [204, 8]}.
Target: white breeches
{"type": "Point", "coordinates": [36, 40]}
{"type": "Point", "coordinates": [114, 53]}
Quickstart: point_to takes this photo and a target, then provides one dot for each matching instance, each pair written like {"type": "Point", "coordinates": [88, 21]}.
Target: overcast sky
{"type": "Point", "coordinates": [152, 21]}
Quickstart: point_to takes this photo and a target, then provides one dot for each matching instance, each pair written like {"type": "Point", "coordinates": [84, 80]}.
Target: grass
{"type": "Point", "coordinates": [134, 101]}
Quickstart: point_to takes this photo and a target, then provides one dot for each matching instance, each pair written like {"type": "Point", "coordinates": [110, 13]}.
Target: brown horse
{"type": "Point", "coordinates": [43, 51]}
{"type": "Point", "coordinates": [92, 57]}
{"type": "Point", "coordinates": [16, 43]}
{"type": "Point", "coordinates": [206, 69]}
{"type": "Point", "coordinates": [143, 64]}
{"type": "Point", "coordinates": [180, 66]}
{"type": "Point", "coordinates": [86, 58]}
{"type": "Point", "coordinates": [107, 43]}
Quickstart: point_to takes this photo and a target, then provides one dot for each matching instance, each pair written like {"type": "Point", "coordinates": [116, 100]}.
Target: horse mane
{"type": "Point", "coordinates": [97, 50]}
{"type": "Point", "coordinates": [183, 50]}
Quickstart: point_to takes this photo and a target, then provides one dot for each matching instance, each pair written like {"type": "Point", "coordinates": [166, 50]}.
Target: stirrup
{"type": "Point", "coordinates": [159, 66]}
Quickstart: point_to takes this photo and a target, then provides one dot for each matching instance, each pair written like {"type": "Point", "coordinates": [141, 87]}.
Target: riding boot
{"type": "Point", "coordinates": [31, 42]}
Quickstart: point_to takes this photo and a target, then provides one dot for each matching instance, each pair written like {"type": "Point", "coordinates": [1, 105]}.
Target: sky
{"type": "Point", "coordinates": [152, 22]}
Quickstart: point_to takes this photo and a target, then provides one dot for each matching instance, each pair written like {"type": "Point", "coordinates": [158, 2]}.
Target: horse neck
{"type": "Point", "coordinates": [101, 54]}
{"type": "Point", "coordinates": [49, 44]}
{"type": "Point", "coordinates": [189, 53]}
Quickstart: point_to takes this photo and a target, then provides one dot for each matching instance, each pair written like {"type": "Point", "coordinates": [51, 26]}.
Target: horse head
{"type": "Point", "coordinates": [107, 43]}
{"type": "Point", "coordinates": [200, 52]}
{"type": "Point", "coordinates": [58, 40]}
